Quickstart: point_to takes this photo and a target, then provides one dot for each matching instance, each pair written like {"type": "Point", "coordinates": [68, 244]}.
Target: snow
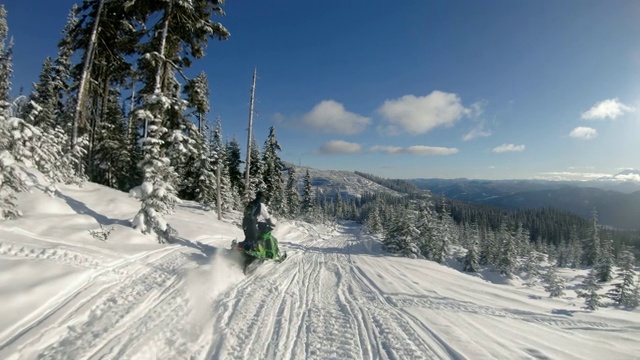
{"type": "Point", "coordinates": [67, 295]}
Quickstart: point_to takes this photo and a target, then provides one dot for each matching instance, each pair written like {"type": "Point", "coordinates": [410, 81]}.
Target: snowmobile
{"type": "Point", "coordinates": [254, 253]}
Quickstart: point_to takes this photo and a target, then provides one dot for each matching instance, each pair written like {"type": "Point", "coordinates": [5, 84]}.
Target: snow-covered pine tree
{"type": "Point", "coordinates": [272, 174]}
{"type": "Point", "coordinates": [589, 291]}
{"type": "Point", "coordinates": [399, 237]}
{"type": "Point", "coordinates": [307, 194]}
{"type": "Point", "coordinates": [62, 72]}
{"type": "Point", "coordinates": [373, 222]}
{"type": "Point", "coordinates": [110, 156]}
{"type": "Point", "coordinates": [562, 259]}
{"type": "Point", "coordinates": [197, 91]}
{"type": "Point", "coordinates": [554, 284]}
{"type": "Point", "coordinates": [471, 258]}
{"type": "Point", "coordinates": [443, 233]}
{"type": "Point", "coordinates": [488, 247]}
{"type": "Point", "coordinates": [592, 251]}
{"type": "Point", "coordinates": [181, 150]}
{"type": "Point", "coordinates": [202, 170]}
{"type": "Point", "coordinates": [605, 262]}
{"type": "Point", "coordinates": [338, 205]}
{"type": "Point", "coordinates": [292, 194]}
{"type": "Point", "coordinates": [623, 292]}
{"type": "Point", "coordinates": [575, 249]}
{"type": "Point", "coordinates": [521, 240]}
{"type": "Point", "coordinates": [427, 228]}
{"type": "Point", "coordinates": [531, 263]}
{"type": "Point", "coordinates": [507, 257]}
{"type": "Point", "coordinates": [256, 166]}
{"type": "Point", "coordinates": [6, 65]}
{"type": "Point", "coordinates": [45, 149]}
{"type": "Point", "coordinates": [229, 199]}
{"type": "Point", "coordinates": [179, 35]}
{"type": "Point", "coordinates": [157, 192]}
{"type": "Point", "coordinates": [15, 134]}
{"type": "Point", "coordinates": [199, 180]}
{"type": "Point", "coordinates": [233, 163]}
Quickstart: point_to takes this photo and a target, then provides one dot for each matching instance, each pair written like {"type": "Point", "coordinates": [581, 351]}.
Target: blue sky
{"type": "Point", "coordinates": [415, 88]}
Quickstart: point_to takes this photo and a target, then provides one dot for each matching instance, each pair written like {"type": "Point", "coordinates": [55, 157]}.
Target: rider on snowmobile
{"type": "Point", "coordinates": [254, 212]}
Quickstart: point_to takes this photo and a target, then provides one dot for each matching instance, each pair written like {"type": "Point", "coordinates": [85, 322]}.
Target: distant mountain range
{"type": "Point", "coordinates": [617, 202]}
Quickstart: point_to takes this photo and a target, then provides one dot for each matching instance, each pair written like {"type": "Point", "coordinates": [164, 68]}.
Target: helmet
{"type": "Point", "coordinates": [260, 196]}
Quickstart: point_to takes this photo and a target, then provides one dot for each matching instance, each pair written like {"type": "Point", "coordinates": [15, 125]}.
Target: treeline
{"type": "Point", "coordinates": [115, 106]}
{"type": "Point", "coordinates": [399, 185]}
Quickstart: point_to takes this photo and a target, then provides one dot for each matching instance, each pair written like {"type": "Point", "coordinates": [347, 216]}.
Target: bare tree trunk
{"type": "Point", "coordinates": [249, 137]}
{"type": "Point", "coordinates": [85, 75]}
{"type": "Point", "coordinates": [163, 45]}
{"type": "Point", "coordinates": [133, 96]}
{"type": "Point", "coordinates": [161, 62]}
{"type": "Point", "coordinates": [218, 188]}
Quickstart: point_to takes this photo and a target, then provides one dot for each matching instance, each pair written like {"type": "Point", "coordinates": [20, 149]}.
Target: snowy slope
{"type": "Point", "coordinates": [66, 295]}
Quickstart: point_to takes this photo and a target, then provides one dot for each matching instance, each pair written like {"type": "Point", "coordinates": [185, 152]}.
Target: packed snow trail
{"type": "Point", "coordinates": [337, 296]}
{"type": "Point", "coordinates": [315, 305]}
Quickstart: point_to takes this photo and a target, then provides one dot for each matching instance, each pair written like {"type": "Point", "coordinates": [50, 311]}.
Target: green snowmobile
{"type": "Point", "coordinates": [258, 251]}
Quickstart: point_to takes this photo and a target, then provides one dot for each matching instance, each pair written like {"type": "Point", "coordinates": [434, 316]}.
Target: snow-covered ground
{"type": "Point", "coordinates": [67, 295]}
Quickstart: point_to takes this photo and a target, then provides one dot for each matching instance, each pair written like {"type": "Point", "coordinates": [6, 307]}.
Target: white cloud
{"type": "Point", "coordinates": [339, 147]}
{"type": "Point", "coordinates": [627, 177]}
{"type": "Point", "coordinates": [431, 150]}
{"type": "Point", "coordinates": [568, 175]}
{"type": "Point", "coordinates": [330, 116]}
{"type": "Point", "coordinates": [388, 149]}
{"type": "Point", "coordinates": [420, 114]}
{"type": "Point", "coordinates": [508, 148]}
{"type": "Point", "coordinates": [415, 150]}
{"type": "Point", "coordinates": [610, 108]}
{"type": "Point", "coordinates": [585, 133]}
{"type": "Point", "coordinates": [477, 132]}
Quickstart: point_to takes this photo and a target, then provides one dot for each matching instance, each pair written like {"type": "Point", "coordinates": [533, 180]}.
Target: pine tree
{"type": "Point", "coordinates": [12, 174]}
{"type": "Point", "coordinates": [554, 284]}
{"type": "Point", "coordinates": [292, 194]}
{"type": "Point", "coordinates": [307, 199]}
{"type": "Point", "coordinates": [563, 254]}
{"type": "Point", "coordinates": [625, 292]}
{"type": "Point", "coordinates": [400, 237]}
{"type": "Point", "coordinates": [179, 35]}
{"type": "Point", "coordinates": [471, 258]}
{"type": "Point", "coordinates": [228, 199]}
{"type": "Point", "coordinates": [531, 263]}
{"type": "Point", "coordinates": [256, 171]}
{"type": "Point", "coordinates": [234, 161]}
{"type": "Point", "coordinates": [427, 228]}
{"type": "Point", "coordinates": [488, 247]}
{"type": "Point", "coordinates": [15, 135]}
{"type": "Point", "coordinates": [45, 148]}
{"type": "Point", "coordinates": [6, 65]}
{"type": "Point", "coordinates": [202, 170]}
{"type": "Point", "coordinates": [373, 222]}
{"type": "Point", "coordinates": [272, 174]}
{"type": "Point", "coordinates": [604, 264]}
{"type": "Point", "coordinates": [110, 155]}
{"type": "Point", "coordinates": [592, 251]}
{"type": "Point", "coordinates": [575, 249]}
{"type": "Point", "coordinates": [507, 257]}
{"type": "Point", "coordinates": [442, 234]}
{"type": "Point", "coordinates": [590, 290]}
{"type": "Point", "coordinates": [198, 93]}
{"type": "Point", "coordinates": [157, 192]}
